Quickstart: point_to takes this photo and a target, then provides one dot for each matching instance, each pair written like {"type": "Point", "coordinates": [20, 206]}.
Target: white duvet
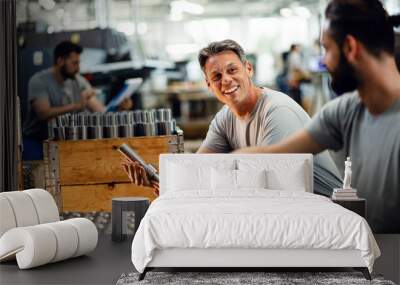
{"type": "Point", "coordinates": [250, 219]}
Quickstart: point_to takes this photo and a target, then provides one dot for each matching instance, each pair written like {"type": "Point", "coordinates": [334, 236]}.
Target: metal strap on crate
{"type": "Point", "coordinates": [52, 171]}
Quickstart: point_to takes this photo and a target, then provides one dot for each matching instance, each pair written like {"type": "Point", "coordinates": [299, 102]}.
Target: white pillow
{"type": "Point", "coordinates": [223, 179]}
{"type": "Point", "coordinates": [280, 174]}
{"type": "Point", "coordinates": [189, 176]}
{"type": "Point", "coordinates": [292, 179]}
{"type": "Point", "coordinates": [251, 178]}
{"type": "Point", "coordinates": [183, 177]}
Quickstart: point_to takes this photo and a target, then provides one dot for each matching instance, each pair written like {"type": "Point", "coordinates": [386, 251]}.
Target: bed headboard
{"type": "Point", "coordinates": [283, 163]}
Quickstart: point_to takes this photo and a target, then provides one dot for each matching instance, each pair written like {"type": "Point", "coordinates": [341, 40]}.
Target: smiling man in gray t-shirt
{"type": "Point", "coordinates": [253, 116]}
{"type": "Point", "coordinates": [275, 116]}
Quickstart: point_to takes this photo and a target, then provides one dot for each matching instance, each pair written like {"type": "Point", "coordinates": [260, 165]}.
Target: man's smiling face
{"type": "Point", "coordinates": [228, 78]}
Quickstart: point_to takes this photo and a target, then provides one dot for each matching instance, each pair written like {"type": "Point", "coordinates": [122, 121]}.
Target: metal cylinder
{"type": "Point", "coordinates": [162, 128]}
{"type": "Point", "coordinates": [73, 120]}
{"type": "Point", "coordinates": [59, 121]}
{"type": "Point", "coordinates": [139, 129]}
{"type": "Point", "coordinates": [137, 116]}
{"type": "Point", "coordinates": [66, 118]}
{"type": "Point", "coordinates": [143, 117]}
{"type": "Point", "coordinates": [82, 119]}
{"type": "Point", "coordinates": [164, 115]}
{"type": "Point", "coordinates": [82, 132]}
{"type": "Point", "coordinates": [95, 119]}
{"type": "Point", "coordinates": [152, 115]}
{"type": "Point", "coordinates": [110, 131]}
{"type": "Point", "coordinates": [148, 116]}
{"type": "Point", "coordinates": [150, 129]}
{"type": "Point", "coordinates": [112, 119]}
{"type": "Point", "coordinates": [160, 115]}
{"type": "Point", "coordinates": [122, 118]}
{"type": "Point", "coordinates": [59, 133]}
{"type": "Point", "coordinates": [125, 131]}
{"type": "Point", "coordinates": [95, 132]}
{"type": "Point", "coordinates": [131, 118]}
{"type": "Point", "coordinates": [103, 120]}
{"type": "Point", "coordinates": [167, 114]}
{"type": "Point", "coordinates": [71, 133]}
{"type": "Point", "coordinates": [173, 126]}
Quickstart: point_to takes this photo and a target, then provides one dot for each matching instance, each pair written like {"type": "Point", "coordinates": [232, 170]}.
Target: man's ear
{"type": "Point", "coordinates": [249, 68]}
{"type": "Point", "coordinates": [351, 48]}
{"type": "Point", "coordinates": [60, 61]}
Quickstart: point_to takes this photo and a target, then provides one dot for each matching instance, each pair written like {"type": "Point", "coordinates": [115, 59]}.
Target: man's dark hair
{"type": "Point", "coordinates": [65, 48]}
{"type": "Point", "coordinates": [293, 47]}
{"type": "Point", "coordinates": [218, 47]}
{"type": "Point", "coordinates": [366, 20]}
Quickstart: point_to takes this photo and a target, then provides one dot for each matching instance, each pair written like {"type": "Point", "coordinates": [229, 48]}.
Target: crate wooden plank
{"type": "Point", "coordinates": [96, 161]}
{"type": "Point", "coordinates": [88, 198]}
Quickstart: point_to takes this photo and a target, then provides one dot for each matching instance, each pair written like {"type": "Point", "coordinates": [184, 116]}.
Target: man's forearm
{"type": "Point", "coordinates": [264, 149]}
{"type": "Point", "coordinates": [95, 105]}
{"type": "Point", "coordinates": [300, 142]}
{"type": "Point", "coordinates": [53, 112]}
{"type": "Point", "coordinates": [203, 150]}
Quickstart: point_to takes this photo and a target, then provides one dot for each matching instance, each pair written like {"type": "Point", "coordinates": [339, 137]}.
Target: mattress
{"type": "Point", "coordinates": [250, 219]}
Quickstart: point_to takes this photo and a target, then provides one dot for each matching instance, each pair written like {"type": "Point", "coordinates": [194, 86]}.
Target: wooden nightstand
{"type": "Point", "coordinates": [358, 206]}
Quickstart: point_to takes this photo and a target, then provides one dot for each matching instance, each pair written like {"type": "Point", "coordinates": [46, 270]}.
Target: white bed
{"type": "Point", "coordinates": [241, 211]}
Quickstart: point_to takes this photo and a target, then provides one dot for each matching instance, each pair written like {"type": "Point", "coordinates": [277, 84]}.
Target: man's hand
{"type": "Point", "coordinates": [85, 97]}
{"type": "Point", "coordinates": [138, 176]}
{"type": "Point", "coordinates": [156, 187]}
{"type": "Point", "coordinates": [125, 105]}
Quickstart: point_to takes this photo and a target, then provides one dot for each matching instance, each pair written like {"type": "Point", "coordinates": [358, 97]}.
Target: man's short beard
{"type": "Point", "coordinates": [344, 79]}
{"type": "Point", "coordinates": [65, 74]}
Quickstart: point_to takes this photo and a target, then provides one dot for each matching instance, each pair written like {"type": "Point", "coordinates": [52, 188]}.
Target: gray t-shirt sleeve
{"type": "Point", "coordinates": [333, 123]}
{"type": "Point", "coordinates": [325, 128]}
{"type": "Point", "coordinates": [216, 139]}
{"type": "Point", "coordinates": [82, 83]}
{"type": "Point", "coordinates": [37, 89]}
{"type": "Point", "coordinates": [281, 122]}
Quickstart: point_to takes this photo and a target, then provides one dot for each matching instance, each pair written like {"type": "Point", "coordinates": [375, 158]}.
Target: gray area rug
{"type": "Point", "coordinates": [273, 278]}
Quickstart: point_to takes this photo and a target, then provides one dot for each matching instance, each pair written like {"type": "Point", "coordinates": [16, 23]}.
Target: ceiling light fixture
{"type": "Point", "coordinates": [286, 12]}
{"type": "Point", "coordinates": [302, 12]}
{"type": "Point", "coordinates": [47, 4]}
{"type": "Point", "coordinates": [187, 7]}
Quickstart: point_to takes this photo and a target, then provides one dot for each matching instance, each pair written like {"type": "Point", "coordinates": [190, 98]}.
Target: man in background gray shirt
{"type": "Point", "coordinates": [58, 90]}
{"type": "Point", "coordinates": [359, 43]}
{"type": "Point", "coordinates": [55, 91]}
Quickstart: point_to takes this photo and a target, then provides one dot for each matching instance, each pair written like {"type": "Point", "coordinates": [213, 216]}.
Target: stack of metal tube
{"type": "Point", "coordinates": [82, 126]}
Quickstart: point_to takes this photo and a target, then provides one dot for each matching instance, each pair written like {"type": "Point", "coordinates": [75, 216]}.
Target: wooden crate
{"type": "Point", "coordinates": [84, 175]}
